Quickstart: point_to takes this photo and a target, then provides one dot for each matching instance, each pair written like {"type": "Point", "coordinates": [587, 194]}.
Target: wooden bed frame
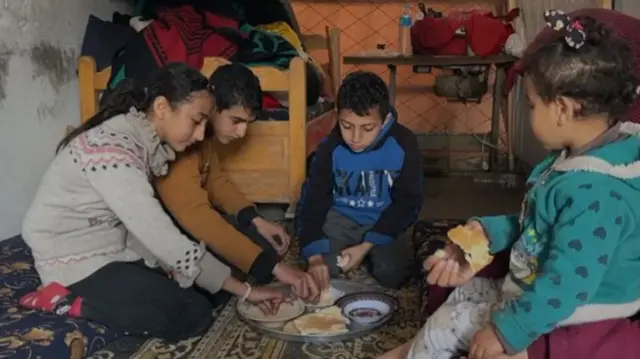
{"type": "Point", "coordinates": [269, 164]}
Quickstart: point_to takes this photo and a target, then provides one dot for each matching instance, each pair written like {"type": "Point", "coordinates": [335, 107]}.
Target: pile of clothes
{"type": "Point", "coordinates": [162, 31]}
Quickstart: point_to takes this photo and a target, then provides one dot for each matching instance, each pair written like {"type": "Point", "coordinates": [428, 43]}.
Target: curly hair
{"type": "Point", "coordinates": [363, 91]}
{"type": "Point", "coordinates": [599, 74]}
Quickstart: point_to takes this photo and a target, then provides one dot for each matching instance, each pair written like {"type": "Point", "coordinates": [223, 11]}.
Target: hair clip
{"type": "Point", "coordinates": [574, 33]}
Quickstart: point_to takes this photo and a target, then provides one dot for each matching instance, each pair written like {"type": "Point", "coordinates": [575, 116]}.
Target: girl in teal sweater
{"type": "Point", "coordinates": [575, 246]}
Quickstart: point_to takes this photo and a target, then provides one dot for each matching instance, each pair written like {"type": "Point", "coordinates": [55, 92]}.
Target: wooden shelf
{"type": "Point", "coordinates": [426, 2]}
{"type": "Point", "coordinates": [428, 60]}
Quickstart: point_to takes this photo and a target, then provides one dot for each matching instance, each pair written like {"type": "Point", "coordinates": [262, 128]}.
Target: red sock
{"type": "Point", "coordinates": [45, 298]}
{"type": "Point", "coordinates": [76, 308]}
{"type": "Point", "coordinates": [54, 298]}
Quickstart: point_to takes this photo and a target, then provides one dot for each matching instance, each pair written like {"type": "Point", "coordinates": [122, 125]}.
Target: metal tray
{"type": "Point", "coordinates": [355, 330]}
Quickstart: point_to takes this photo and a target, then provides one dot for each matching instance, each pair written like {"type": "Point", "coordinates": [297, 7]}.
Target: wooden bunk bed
{"type": "Point", "coordinates": [269, 164]}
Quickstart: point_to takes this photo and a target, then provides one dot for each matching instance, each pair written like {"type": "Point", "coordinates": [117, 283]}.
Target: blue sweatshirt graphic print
{"type": "Point", "coordinates": [575, 248]}
{"type": "Point", "coordinates": [380, 187]}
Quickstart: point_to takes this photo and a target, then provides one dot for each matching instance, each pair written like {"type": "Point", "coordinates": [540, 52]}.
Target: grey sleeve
{"type": "Point", "coordinates": [128, 193]}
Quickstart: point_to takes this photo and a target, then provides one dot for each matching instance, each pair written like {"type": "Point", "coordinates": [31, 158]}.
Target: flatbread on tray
{"type": "Point", "coordinates": [327, 321]}
{"type": "Point", "coordinates": [474, 244]}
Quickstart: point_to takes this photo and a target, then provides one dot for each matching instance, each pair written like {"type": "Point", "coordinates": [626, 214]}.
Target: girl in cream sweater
{"type": "Point", "coordinates": [103, 245]}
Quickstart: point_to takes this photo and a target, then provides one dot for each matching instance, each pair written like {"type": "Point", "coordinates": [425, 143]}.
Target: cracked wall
{"type": "Point", "coordinates": [39, 44]}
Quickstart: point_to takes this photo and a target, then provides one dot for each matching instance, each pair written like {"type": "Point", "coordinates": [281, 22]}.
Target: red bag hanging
{"type": "Point", "coordinates": [437, 36]}
{"type": "Point", "coordinates": [487, 33]}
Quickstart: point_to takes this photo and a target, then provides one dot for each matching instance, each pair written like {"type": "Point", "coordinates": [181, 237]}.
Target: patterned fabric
{"type": "Point", "coordinates": [452, 327]}
{"type": "Point", "coordinates": [574, 34]}
{"type": "Point", "coordinates": [265, 48]}
{"type": "Point", "coordinates": [428, 236]}
{"type": "Point", "coordinates": [96, 187]}
{"type": "Point", "coordinates": [31, 334]}
{"type": "Point", "coordinates": [230, 337]}
{"type": "Point", "coordinates": [185, 34]}
{"type": "Point", "coordinates": [178, 34]}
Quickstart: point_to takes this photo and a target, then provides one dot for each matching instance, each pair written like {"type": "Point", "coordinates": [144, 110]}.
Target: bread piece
{"type": "Point", "coordinates": [440, 253]}
{"type": "Point", "coordinates": [343, 260]}
{"type": "Point", "coordinates": [333, 310]}
{"type": "Point", "coordinates": [326, 298]}
{"type": "Point", "coordinates": [328, 321]}
{"type": "Point", "coordinates": [474, 244]}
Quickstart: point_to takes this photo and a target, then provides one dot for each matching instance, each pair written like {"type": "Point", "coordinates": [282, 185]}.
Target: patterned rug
{"type": "Point", "coordinates": [229, 337]}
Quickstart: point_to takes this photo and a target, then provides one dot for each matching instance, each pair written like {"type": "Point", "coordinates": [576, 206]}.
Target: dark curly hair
{"type": "Point", "coordinates": [363, 91]}
{"type": "Point", "coordinates": [599, 74]}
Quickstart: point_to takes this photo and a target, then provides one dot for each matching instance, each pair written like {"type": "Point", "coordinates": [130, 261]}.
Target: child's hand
{"type": "Point", "coordinates": [267, 299]}
{"type": "Point", "coordinates": [356, 255]}
{"type": "Point", "coordinates": [485, 344]}
{"type": "Point", "coordinates": [320, 272]}
{"type": "Point", "coordinates": [448, 267]}
{"type": "Point", "coordinates": [270, 231]}
{"type": "Point", "coordinates": [304, 284]}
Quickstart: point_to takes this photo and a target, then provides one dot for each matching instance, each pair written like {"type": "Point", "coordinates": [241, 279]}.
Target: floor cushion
{"type": "Point", "coordinates": [32, 334]}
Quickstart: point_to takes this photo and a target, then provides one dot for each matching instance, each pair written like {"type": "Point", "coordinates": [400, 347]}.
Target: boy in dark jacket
{"type": "Point", "coordinates": [363, 189]}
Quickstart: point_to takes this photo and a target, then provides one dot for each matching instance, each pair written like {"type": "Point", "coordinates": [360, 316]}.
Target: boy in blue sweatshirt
{"type": "Point", "coordinates": [363, 189]}
{"type": "Point", "coordinates": [575, 245]}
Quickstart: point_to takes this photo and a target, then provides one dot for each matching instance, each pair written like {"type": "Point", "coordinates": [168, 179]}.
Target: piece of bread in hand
{"type": "Point", "coordinates": [343, 260]}
{"type": "Point", "coordinates": [474, 244]}
{"type": "Point", "coordinates": [326, 298]}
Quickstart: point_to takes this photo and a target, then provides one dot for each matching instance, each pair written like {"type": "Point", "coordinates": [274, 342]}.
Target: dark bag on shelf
{"type": "Point", "coordinates": [462, 85]}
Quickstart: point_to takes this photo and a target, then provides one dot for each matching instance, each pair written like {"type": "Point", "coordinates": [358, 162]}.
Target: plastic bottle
{"type": "Point", "coordinates": [404, 42]}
